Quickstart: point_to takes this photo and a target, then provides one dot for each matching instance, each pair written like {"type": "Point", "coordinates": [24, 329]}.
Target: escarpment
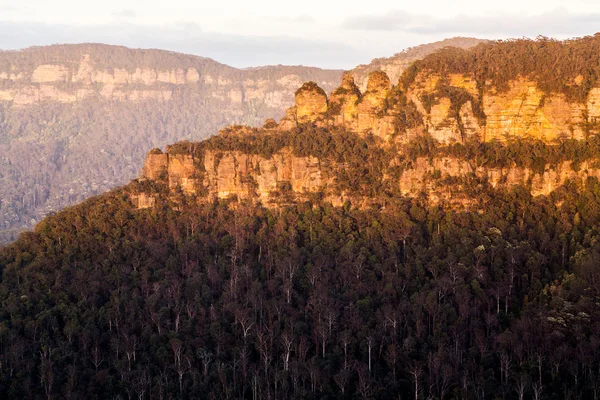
{"type": "Point", "coordinates": [440, 131]}
{"type": "Point", "coordinates": [450, 108]}
{"type": "Point", "coordinates": [288, 175]}
{"type": "Point", "coordinates": [73, 73]}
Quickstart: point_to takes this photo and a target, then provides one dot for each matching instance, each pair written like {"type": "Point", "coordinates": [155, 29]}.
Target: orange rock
{"type": "Point", "coordinates": [311, 102]}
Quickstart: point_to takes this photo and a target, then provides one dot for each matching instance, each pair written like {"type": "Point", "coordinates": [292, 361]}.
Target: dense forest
{"type": "Point", "coordinates": [229, 299]}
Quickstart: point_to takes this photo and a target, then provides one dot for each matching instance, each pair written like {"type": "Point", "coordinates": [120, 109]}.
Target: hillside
{"type": "Point", "coordinates": [76, 120]}
{"type": "Point", "coordinates": [354, 249]}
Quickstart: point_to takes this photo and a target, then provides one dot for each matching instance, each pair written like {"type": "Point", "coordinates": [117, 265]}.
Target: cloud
{"type": "Point", "coordinates": [235, 50]}
{"type": "Point", "coordinates": [128, 13]}
{"type": "Point", "coordinates": [552, 23]}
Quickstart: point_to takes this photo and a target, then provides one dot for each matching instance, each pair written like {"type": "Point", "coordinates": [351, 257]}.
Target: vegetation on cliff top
{"type": "Point", "coordinates": [569, 67]}
{"type": "Point", "coordinates": [311, 86]}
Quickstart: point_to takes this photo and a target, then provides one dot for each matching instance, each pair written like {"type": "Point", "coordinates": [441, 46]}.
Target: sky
{"type": "Point", "coordinates": [322, 33]}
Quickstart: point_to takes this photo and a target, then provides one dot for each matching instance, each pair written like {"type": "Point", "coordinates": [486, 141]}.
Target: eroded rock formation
{"type": "Point", "coordinates": [451, 109]}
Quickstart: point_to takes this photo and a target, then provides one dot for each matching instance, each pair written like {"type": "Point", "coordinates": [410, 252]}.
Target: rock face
{"type": "Point", "coordinates": [452, 109]}
{"type": "Point", "coordinates": [249, 176]}
{"type": "Point", "coordinates": [372, 104]}
{"type": "Point", "coordinates": [347, 106]}
{"type": "Point", "coordinates": [156, 164]}
{"type": "Point", "coordinates": [244, 175]}
{"type": "Point", "coordinates": [346, 99]}
{"type": "Point", "coordinates": [233, 173]}
{"type": "Point", "coordinates": [78, 72]}
{"type": "Point", "coordinates": [418, 179]}
{"type": "Point", "coordinates": [522, 111]}
{"type": "Point", "coordinates": [311, 102]}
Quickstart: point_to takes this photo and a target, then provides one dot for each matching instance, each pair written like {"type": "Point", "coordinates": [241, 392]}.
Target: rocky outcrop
{"type": "Point", "coordinates": [290, 120]}
{"type": "Point", "coordinates": [345, 99]}
{"type": "Point", "coordinates": [346, 107]}
{"type": "Point", "coordinates": [521, 111]}
{"type": "Point", "coordinates": [155, 166]}
{"type": "Point", "coordinates": [176, 170]}
{"type": "Point", "coordinates": [451, 109]}
{"type": "Point", "coordinates": [371, 108]}
{"type": "Point", "coordinates": [311, 102]}
{"type": "Point", "coordinates": [430, 102]}
{"type": "Point", "coordinates": [226, 174]}
{"type": "Point", "coordinates": [243, 175]}
{"type": "Point", "coordinates": [429, 176]}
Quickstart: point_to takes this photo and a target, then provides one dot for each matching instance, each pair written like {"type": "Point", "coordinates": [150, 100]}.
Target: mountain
{"type": "Point", "coordinates": [76, 120]}
{"type": "Point", "coordinates": [438, 238]}
{"type": "Point", "coordinates": [454, 116]}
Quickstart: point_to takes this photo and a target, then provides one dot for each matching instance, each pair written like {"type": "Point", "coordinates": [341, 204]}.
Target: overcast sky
{"type": "Point", "coordinates": [324, 33]}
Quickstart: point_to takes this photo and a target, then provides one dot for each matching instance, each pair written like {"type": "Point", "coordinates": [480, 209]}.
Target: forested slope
{"type": "Point", "coordinates": [234, 300]}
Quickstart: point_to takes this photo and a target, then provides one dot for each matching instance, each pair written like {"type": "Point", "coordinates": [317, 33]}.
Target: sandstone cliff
{"type": "Point", "coordinates": [72, 73]}
{"type": "Point", "coordinates": [450, 108]}
{"type": "Point", "coordinates": [288, 177]}
{"type": "Point", "coordinates": [415, 138]}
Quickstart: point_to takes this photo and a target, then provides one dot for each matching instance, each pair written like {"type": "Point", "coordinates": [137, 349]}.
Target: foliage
{"type": "Point", "coordinates": [232, 300]}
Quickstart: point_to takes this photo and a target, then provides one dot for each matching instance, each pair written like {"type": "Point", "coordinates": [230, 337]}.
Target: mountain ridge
{"type": "Point", "coordinates": [73, 125]}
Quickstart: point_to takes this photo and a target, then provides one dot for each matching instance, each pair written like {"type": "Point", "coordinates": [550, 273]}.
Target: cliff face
{"type": "Point", "coordinates": [522, 111]}
{"type": "Point", "coordinates": [450, 109]}
{"type": "Point", "coordinates": [234, 173]}
{"type": "Point", "coordinates": [266, 179]}
{"type": "Point", "coordinates": [72, 76]}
